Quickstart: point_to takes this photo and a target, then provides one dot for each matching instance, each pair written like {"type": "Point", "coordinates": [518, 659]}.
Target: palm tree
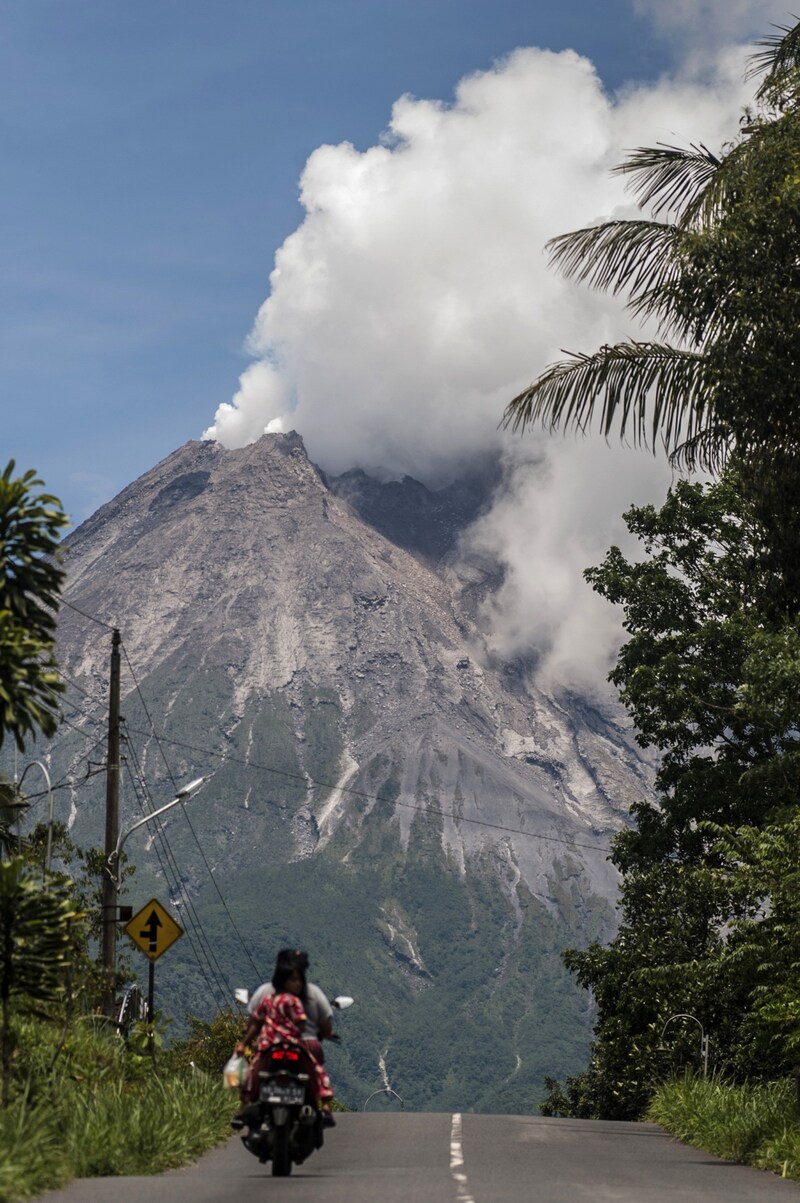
{"type": "Point", "coordinates": [30, 587]}
{"type": "Point", "coordinates": [715, 268]}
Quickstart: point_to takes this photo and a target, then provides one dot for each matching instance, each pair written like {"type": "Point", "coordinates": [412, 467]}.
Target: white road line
{"type": "Point", "coordinates": [457, 1162]}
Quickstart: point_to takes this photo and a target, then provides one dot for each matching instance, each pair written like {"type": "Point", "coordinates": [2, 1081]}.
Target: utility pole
{"type": "Point", "coordinates": [108, 945]}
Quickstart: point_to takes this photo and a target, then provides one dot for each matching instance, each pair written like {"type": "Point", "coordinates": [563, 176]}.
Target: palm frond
{"type": "Point", "coordinates": [686, 312]}
{"type": "Point", "coordinates": [660, 303]}
{"type": "Point", "coordinates": [671, 178]}
{"type": "Point", "coordinates": [707, 450]}
{"type": "Point", "coordinates": [632, 255]}
{"type": "Point", "coordinates": [777, 60]}
{"type": "Point", "coordinates": [654, 393]}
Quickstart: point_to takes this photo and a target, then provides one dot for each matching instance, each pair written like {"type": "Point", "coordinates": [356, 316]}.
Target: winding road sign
{"type": "Point", "coordinates": [153, 930]}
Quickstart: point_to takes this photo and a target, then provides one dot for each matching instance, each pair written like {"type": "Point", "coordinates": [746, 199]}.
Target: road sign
{"type": "Point", "coordinates": [153, 930]}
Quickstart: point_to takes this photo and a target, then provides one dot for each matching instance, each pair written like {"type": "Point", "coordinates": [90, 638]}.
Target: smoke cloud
{"type": "Point", "coordinates": [415, 300]}
{"type": "Point", "coordinates": [551, 520]}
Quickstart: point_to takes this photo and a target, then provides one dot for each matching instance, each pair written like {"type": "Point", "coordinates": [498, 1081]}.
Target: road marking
{"type": "Point", "coordinates": [457, 1162]}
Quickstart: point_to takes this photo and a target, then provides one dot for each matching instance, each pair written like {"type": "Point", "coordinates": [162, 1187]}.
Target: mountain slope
{"type": "Point", "coordinates": [426, 821]}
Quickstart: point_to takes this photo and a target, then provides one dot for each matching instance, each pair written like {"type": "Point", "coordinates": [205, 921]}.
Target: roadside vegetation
{"type": "Point", "coordinates": [755, 1123]}
{"type": "Point", "coordinates": [95, 1105]}
{"type": "Point", "coordinates": [81, 1097]}
{"type": "Point", "coordinates": [78, 1096]}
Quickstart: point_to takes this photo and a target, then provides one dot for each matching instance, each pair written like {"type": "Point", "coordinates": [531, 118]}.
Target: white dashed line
{"type": "Point", "coordinates": [457, 1163]}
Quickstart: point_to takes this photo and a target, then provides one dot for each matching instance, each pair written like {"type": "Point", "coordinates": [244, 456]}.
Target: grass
{"type": "Point", "coordinates": [103, 1111]}
{"type": "Point", "coordinates": [756, 1124]}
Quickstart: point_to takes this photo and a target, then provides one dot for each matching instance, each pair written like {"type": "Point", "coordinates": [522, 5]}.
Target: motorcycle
{"type": "Point", "coordinates": [284, 1124]}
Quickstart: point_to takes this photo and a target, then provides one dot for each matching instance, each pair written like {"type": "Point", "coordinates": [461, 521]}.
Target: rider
{"type": "Point", "coordinates": [280, 1018]}
{"type": "Point", "coordinates": [290, 975]}
{"type": "Point", "coordinates": [319, 1014]}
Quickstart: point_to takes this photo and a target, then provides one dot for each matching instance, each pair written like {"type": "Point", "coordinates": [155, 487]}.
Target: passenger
{"type": "Point", "coordinates": [319, 1013]}
{"type": "Point", "coordinates": [280, 1018]}
{"type": "Point", "coordinates": [292, 1009]}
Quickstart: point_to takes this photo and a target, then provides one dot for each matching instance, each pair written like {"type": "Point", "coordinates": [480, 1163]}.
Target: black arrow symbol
{"type": "Point", "coordinates": [151, 930]}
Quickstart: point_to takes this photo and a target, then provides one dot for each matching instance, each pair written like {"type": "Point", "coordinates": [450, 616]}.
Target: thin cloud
{"type": "Point", "coordinates": [713, 21]}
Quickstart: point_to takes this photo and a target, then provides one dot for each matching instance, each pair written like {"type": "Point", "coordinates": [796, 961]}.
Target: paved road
{"type": "Point", "coordinates": [402, 1158]}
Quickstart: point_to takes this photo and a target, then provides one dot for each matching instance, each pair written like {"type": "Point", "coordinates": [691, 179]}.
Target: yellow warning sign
{"type": "Point", "coordinates": [153, 930]}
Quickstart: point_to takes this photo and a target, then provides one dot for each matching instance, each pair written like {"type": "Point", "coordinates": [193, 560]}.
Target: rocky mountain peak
{"type": "Point", "coordinates": [303, 640]}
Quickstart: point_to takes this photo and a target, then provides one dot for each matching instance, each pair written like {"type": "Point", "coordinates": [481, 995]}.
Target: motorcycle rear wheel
{"type": "Point", "coordinates": [281, 1154]}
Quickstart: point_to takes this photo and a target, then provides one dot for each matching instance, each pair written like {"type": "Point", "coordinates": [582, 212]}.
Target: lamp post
{"type": "Point", "coordinates": [17, 788]}
{"type": "Point", "coordinates": [662, 1048]}
{"type": "Point", "coordinates": [183, 795]}
{"type": "Point", "coordinates": [385, 1090]}
{"type": "Point", "coordinates": [111, 884]}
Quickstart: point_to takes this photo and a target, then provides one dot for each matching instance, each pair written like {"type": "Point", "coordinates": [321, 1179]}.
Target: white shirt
{"type": "Point", "coordinates": [316, 1006]}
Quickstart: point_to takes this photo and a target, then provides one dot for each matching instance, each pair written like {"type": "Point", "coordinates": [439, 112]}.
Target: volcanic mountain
{"type": "Point", "coordinates": [422, 817]}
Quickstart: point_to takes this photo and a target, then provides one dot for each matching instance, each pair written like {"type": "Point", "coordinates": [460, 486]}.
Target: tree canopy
{"type": "Point", "coordinates": [30, 585]}
{"type": "Point", "coordinates": [717, 696]}
{"type": "Point", "coordinates": [714, 269]}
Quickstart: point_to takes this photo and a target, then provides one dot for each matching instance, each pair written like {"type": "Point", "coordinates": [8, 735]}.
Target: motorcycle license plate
{"type": "Point", "coordinates": [290, 1093]}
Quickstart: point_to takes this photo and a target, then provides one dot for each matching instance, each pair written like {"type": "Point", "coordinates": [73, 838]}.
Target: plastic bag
{"type": "Point", "coordinates": [234, 1072]}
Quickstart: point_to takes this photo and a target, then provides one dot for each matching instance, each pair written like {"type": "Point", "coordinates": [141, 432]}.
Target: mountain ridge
{"type": "Point", "coordinates": [361, 738]}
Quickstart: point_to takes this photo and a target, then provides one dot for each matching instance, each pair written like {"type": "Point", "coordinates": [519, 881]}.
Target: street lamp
{"type": "Point", "coordinates": [662, 1048]}
{"type": "Point", "coordinates": [385, 1090]}
{"type": "Point", "coordinates": [17, 788]}
{"type": "Point", "coordinates": [111, 885]}
{"type": "Point", "coordinates": [183, 795]}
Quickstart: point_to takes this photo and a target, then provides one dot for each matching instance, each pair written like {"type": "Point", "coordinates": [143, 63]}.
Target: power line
{"type": "Point", "coordinates": [63, 780]}
{"type": "Point", "coordinates": [553, 839]}
{"type": "Point", "coordinates": [80, 730]}
{"type": "Point", "coordinates": [71, 681]}
{"type": "Point", "coordinates": [217, 977]}
{"type": "Point", "coordinates": [447, 814]}
{"type": "Point", "coordinates": [65, 783]}
{"type": "Point", "coordinates": [163, 834]}
{"type": "Point", "coordinates": [211, 971]}
{"type": "Point", "coordinates": [306, 780]}
{"type": "Point", "coordinates": [219, 893]}
{"type": "Point", "coordinates": [215, 883]}
{"type": "Point", "coordinates": [71, 606]}
{"type": "Point", "coordinates": [153, 731]}
{"type": "Point", "coordinates": [200, 848]}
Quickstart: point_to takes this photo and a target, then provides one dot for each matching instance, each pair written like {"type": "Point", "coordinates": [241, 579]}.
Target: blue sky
{"type": "Point", "coordinates": [151, 157]}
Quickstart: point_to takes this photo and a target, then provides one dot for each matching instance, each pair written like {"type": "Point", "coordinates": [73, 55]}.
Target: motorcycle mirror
{"type": "Point", "coordinates": [241, 995]}
{"type": "Point", "coordinates": [342, 1002]}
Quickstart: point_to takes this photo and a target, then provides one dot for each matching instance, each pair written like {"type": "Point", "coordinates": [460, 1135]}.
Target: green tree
{"type": "Point", "coordinates": [209, 1043]}
{"type": "Point", "coordinates": [36, 943]}
{"type": "Point", "coordinates": [30, 584]}
{"type": "Point", "coordinates": [713, 267]}
{"type": "Point", "coordinates": [718, 695]}
{"type": "Point", "coordinates": [693, 609]}
{"type": "Point", "coordinates": [12, 810]}
{"type": "Point", "coordinates": [664, 961]}
{"type": "Point", "coordinates": [759, 866]}
{"type": "Point", "coordinates": [720, 279]}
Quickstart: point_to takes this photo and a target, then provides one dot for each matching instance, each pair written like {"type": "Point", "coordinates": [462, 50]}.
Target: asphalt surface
{"type": "Point", "coordinates": [413, 1158]}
